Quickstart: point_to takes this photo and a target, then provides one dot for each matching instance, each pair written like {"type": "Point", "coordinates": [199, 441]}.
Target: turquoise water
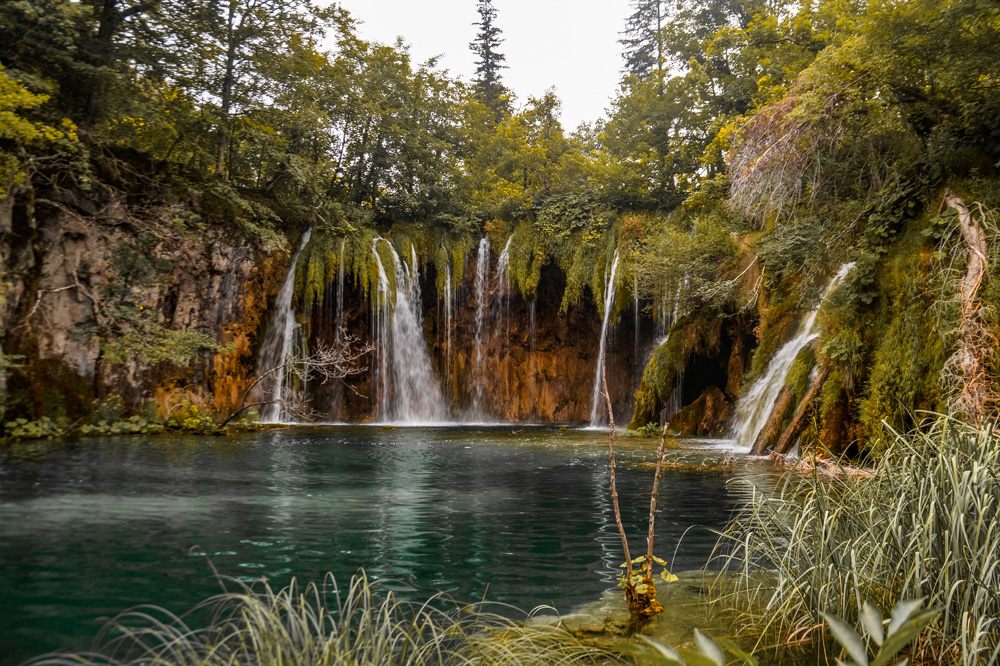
{"type": "Point", "coordinates": [90, 528]}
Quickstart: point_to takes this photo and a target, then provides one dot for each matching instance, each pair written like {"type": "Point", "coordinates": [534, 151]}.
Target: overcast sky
{"type": "Point", "coordinates": [569, 44]}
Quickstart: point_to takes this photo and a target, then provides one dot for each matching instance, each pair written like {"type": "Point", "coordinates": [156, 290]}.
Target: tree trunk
{"type": "Point", "coordinates": [227, 93]}
{"type": "Point", "coordinates": [799, 421]}
{"type": "Point", "coordinates": [976, 343]}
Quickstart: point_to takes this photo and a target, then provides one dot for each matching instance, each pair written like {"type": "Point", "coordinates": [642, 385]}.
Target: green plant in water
{"type": "Point", "coordinates": [638, 575]}
{"type": "Point", "coordinates": [323, 625]}
{"type": "Point", "coordinates": [192, 419]}
{"type": "Point", "coordinates": [134, 425]}
{"type": "Point", "coordinates": [43, 428]}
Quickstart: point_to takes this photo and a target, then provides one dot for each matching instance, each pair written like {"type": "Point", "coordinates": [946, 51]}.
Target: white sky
{"type": "Point", "coordinates": [572, 45]}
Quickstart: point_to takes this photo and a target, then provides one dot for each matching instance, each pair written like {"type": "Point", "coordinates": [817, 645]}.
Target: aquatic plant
{"type": "Point", "coordinates": [640, 592]}
{"type": "Point", "coordinates": [925, 525]}
{"type": "Point", "coordinates": [324, 625]}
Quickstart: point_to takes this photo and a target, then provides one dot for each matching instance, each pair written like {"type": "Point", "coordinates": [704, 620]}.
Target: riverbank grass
{"type": "Point", "coordinates": [925, 525]}
{"type": "Point", "coordinates": [323, 625]}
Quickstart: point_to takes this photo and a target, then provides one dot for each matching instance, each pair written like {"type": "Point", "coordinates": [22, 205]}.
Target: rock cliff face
{"type": "Point", "coordinates": [139, 305]}
{"type": "Point", "coordinates": [103, 301]}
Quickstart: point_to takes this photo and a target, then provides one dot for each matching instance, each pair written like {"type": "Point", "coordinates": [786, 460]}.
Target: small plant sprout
{"type": "Point", "coordinates": [639, 575]}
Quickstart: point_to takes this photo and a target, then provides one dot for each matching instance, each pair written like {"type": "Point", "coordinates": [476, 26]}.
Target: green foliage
{"type": "Point", "coordinates": [43, 428]}
{"type": "Point", "coordinates": [697, 333]}
{"type": "Point", "coordinates": [635, 581]}
{"type": "Point", "coordinates": [190, 418]}
{"type": "Point", "coordinates": [19, 133]}
{"type": "Point", "coordinates": [326, 625]}
{"type": "Point", "coordinates": [907, 622]}
{"type": "Point", "coordinates": [924, 524]}
{"type": "Point", "coordinates": [134, 425]}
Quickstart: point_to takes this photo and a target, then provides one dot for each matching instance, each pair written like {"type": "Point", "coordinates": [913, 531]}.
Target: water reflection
{"type": "Point", "coordinates": [89, 528]}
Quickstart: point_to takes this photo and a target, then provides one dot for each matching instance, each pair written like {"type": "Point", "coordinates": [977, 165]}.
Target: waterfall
{"type": "Point", "coordinates": [278, 341]}
{"type": "Point", "coordinates": [447, 327]}
{"type": "Point", "coordinates": [635, 303]}
{"type": "Point", "coordinates": [338, 321]}
{"type": "Point", "coordinates": [754, 408]}
{"type": "Point", "coordinates": [609, 301]}
{"type": "Point", "coordinates": [501, 310]}
{"type": "Point", "coordinates": [532, 323]}
{"type": "Point", "coordinates": [482, 271]}
{"type": "Point", "coordinates": [409, 392]}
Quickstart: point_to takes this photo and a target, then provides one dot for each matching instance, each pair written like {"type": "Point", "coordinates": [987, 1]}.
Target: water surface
{"type": "Point", "coordinates": [92, 527]}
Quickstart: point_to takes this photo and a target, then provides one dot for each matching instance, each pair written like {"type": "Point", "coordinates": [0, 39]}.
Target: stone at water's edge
{"type": "Point", "coordinates": [706, 416]}
{"type": "Point", "coordinates": [604, 623]}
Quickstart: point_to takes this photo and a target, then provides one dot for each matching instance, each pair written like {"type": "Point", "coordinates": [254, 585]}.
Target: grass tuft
{"type": "Point", "coordinates": [323, 625]}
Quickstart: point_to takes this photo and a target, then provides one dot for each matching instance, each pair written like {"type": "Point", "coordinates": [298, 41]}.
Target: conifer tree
{"type": "Point", "coordinates": [642, 39]}
{"type": "Point", "coordinates": [489, 61]}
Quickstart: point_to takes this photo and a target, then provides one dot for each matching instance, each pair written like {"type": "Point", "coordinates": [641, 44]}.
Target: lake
{"type": "Point", "coordinates": [513, 514]}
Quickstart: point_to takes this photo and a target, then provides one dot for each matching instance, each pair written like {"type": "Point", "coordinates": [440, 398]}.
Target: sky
{"type": "Point", "coordinates": [569, 44]}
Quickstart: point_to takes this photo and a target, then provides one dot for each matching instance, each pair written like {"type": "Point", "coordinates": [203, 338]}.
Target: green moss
{"type": "Point", "coordinates": [697, 333]}
{"type": "Point", "coordinates": [909, 351]}
{"type": "Point", "coordinates": [528, 253]}
{"type": "Point", "coordinates": [798, 374]}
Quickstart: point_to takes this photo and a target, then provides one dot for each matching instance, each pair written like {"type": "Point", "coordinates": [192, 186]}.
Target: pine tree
{"type": "Point", "coordinates": [643, 39]}
{"type": "Point", "coordinates": [490, 89]}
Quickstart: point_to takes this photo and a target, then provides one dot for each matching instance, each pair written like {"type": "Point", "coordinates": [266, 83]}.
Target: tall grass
{"type": "Point", "coordinates": [926, 525]}
{"type": "Point", "coordinates": [300, 627]}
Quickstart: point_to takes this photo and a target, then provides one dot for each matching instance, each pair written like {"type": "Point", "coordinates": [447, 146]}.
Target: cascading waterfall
{"type": "Point", "coordinates": [278, 342]}
{"type": "Point", "coordinates": [501, 310]}
{"type": "Point", "coordinates": [609, 301]}
{"type": "Point", "coordinates": [635, 309]}
{"type": "Point", "coordinates": [482, 272]}
{"type": "Point", "coordinates": [447, 326]}
{"type": "Point", "coordinates": [754, 408]}
{"type": "Point", "coordinates": [339, 319]}
{"type": "Point", "coordinates": [668, 313]}
{"type": "Point", "coordinates": [409, 391]}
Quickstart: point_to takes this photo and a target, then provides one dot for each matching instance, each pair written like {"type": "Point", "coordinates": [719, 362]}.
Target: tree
{"type": "Point", "coordinates": [643, 39]}
{"type": "Point", "coordinates": [490, 61]}
{"type": "Point", "coordinates": [241, 44]}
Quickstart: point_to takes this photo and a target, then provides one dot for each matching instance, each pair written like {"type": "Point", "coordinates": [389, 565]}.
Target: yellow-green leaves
{"type": "Point", "coordinates": [25, 133]}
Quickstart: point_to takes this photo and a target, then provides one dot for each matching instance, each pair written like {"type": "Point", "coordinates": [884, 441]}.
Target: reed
{"type": "Point", "coordinates": [322, 625]}
{"type": "Point", "coordinates": [925, 526]}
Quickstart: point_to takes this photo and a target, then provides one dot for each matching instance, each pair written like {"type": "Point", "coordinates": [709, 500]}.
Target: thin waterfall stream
{"type": "Point", "coordinates": [609, 301]}
{"type": "Point", "coordinates": [482, 273]}
{"type": "Point", "coordinates": [277, 345]}
{"type": "Point", "coordinates": [754, 408]}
